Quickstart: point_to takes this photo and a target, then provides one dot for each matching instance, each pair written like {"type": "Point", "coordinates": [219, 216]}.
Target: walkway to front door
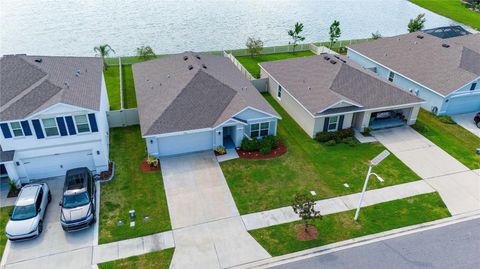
{"type": "Point", "coordinates": [207, 227]}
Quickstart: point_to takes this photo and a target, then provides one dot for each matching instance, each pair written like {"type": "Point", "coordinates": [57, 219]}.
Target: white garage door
{"type": "Point", "coordinates": [185, 143]}
{"type": "Point", "coordinates": [463, 105]}
{"type": "Point", "coordinates": [58, 164]}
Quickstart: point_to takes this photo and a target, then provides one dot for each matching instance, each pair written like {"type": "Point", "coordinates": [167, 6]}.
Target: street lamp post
{"type": "Point", "coordinates": [373, 162]}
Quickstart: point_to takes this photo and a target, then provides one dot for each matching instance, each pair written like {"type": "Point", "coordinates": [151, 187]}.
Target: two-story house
{"type": "Point", "coordinates": [52, 116]}
{"type": "Point", "coordinates": [443, 72]}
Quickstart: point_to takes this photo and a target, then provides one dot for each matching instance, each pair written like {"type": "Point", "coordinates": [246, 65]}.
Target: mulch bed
{"type": "Point", "coordinates": [147, 168]}
{"type": "Point", "coordinates": [105, 175]}
{"type": "Point", "coordinates": [255, 155]}
{"type": "Point", "coordinates": [308, 235]}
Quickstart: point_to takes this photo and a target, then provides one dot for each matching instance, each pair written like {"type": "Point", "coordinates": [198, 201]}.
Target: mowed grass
{"type": "Point", "coordinates": [251, 63]}
{"type": "Point", "coordinates": [158, 260]}
{"type": "Point", "coordinates": [281, 239]}
{"type": "Point", "coordinates": [453, 138]}
{"type": "Point", "coordinates": [4, 217]}
{"type": "Point", "coordinates": [112, 81]}
{"type": "Point", "coordinates": [129, 97]}
{"type": "Point", "coordinates": [453, 9]}
{"type": "Point", "coordinates": [131, 188]}
{"type": "Point", "coordinates": [259, 185]}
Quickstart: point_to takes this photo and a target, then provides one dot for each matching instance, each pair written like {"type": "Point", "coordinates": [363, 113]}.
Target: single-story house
{"type": "Point", "coordinates": [52, 116]}
{"type": "Point", "coordinates": [329, 93]}
{"type": "Point", "coordinates": [192, 102]}
{"type": "Point", "coordinates": [444, 72]}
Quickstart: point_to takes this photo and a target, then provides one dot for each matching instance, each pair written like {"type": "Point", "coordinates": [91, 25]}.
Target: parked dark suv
{"type": "Point", "coordinates": [78, 201]}
{"type": "Point", "coordinates": [476, 119]}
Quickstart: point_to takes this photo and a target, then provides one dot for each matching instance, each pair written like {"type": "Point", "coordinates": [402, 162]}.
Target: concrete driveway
{"type": "Point", "coordinates": [54, 248]}
{"type": "Point", "coordinates": [207, 227]}
{"type": "Point", "coordinates": [457, 185]}
{"type": "Point", "coordinates": [466, 121]}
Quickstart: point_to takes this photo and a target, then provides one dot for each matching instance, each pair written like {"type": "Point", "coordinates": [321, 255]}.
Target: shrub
{"type": "Point", "coordinates": [265, 149]}
{"type": "Point", "coordinates": [446, 120]}
{"type": "Point", "coordinates": [331, 143]}
{"type": "Point", "coordinates": [250, 144]}
{"type": "Point", "coordinates": [271, 140]}
{"type": "Point", "coordinates": [12, 185]}
{"type": "Point", "coordinates": [338, 136]}
{"type": "Point", "coordinates": [220, 150]}
{"type": "Point", "coordinates": [367, 131]}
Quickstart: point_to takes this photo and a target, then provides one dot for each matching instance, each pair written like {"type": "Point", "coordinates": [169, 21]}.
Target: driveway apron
{"type": "Point", "coordinates": [207, 227]}
{"type": "Point", "coordinates": [457, 185]}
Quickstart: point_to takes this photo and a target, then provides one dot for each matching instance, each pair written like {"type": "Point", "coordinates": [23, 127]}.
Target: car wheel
{"type": "Point", "coordinates": [49, 196]}
{"type": "Point", "coordinates": [40, 227]}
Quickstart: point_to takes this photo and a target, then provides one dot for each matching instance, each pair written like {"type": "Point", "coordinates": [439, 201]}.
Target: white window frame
{"type": "Point", "coordinates": [13, 129]}
{"type": "Point", "coordinates": [260, 129]}
{"type": "Point", "coordinates": [279, 92]}
{"type": "Point", "coordinates": [337, 119]}
{"type": "Point", "coordinates": [76, 125]}
{"type": "Point", "coordinates": [45, 128]}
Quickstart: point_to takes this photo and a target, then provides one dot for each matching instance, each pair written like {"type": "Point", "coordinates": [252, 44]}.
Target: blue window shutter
{"type": "Point", "coordinates": [61, 126]}
{"type": "Point", "coordinates": [93, 122]}
{"type": "Point", "coordinates": [6, 130]}
{"type": "Point", "coordinates": [340, 122]}
{"type": "Point", "coordinates": [26, 128]}
{"type": "Point", "coordinates": [70, 125]}
{"type": "Point", "coordinates": [325, 124]}
{"type": "Point", "coordinates": [474, 85]}
{"type": "Point", "coordinates": [38, 129]}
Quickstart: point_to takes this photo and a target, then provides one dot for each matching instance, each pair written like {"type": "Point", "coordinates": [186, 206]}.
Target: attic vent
{"type": "Point", "coordinates": [39, 60]}
{"type": "Point", "coordinates": [190, 67]}
{"type": "Point", "coordinates": [326, 58]}
{"type": "Point", "coordinates": [309, 88]}
{"type": "Point", "coordinates": [333, 61]}
{"type": "Point", "coordinates": [185, 58]}
{"type": "Point", "coordinates": [420, 36]}
{"type": "Point", "coordinates": [77, 74]}
{"type": "Point", "coordinates": [66, 84]}
{"type": "Point", "coordinates": [198, 57]}
{"type": "Point", "coordinates": [204, 66]}
{"type": "Point", "coordinates": [445, 45]}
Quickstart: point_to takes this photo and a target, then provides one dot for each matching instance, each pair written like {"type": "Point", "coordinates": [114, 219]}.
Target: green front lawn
{"type": "Point", "coordinates": [112, 80]}
{"type": "Point", "coordinates": [259, 185]}
{"type": "Point", "coordinates": [4, 217]}
{"type": "Point", "coordinates": [281, 239]}
{"type": "Point", "coordinates": [129, 97]}
{"type": "Point", "coordinates": [251, 63]}
{"type": "Point", "coordinates": [454, 9]}
{"type": "Point", "coordinates": [131, 188]}
{"type": "Point", "coordinates": [452, 138]}
{"type": "Point", "coordinates": [158, 260]}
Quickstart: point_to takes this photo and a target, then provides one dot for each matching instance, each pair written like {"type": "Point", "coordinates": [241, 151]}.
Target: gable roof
{"type": "Point", "coordinates": [33, 83]}
{"type": "Point", "coordinates": [320, 82]}
{"type": "Point", "coordinates": [190, 91]}
{"type": "Point", "coordinates": [425, 59]}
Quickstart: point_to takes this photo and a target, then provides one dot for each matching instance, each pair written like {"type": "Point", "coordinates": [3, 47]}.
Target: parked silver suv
{"type": "Point", "coordinates": [78, 201]}
{"type": "Point", "coordinates": [26, 219]}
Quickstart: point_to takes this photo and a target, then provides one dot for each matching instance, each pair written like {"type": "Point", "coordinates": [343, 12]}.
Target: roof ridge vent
{"type": "Point", "coordinates": [38, 60]}
{"type": "Point", "coordinates": [185, 57]}
{"type": "Point", "coordinates": [420, 36]}
{"type": "Point", "coordinates": [198, 57]}
{"type": "Point", "coordinates": [204, 66]}
{"type": "Point", "coordinates": [190, 67]}
{"type": "Point", "coordinates": [445, 45]}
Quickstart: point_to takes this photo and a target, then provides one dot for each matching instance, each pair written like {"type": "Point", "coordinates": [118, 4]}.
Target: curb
{"type": "Point", "coordinates": [359, 241]}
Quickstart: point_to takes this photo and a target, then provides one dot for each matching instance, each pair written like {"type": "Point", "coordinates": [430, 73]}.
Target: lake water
{"type": "Point", "coordinates": [64, 27]}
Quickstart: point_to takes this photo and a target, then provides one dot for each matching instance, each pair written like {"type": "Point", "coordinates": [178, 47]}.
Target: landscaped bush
{"type": "Point", "coordinates": [338, 136]}
{"type": "Point", "coordinates": [270, 140]}
{"type": "Point", "coordinates": [250, 144]}
{"type": "Point", "coordinates": [366, 131]}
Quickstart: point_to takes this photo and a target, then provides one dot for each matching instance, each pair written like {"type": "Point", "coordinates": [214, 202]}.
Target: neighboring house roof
{"type": "Point", "coordinates": [320, 82]}
{"type": "Point", "coordinates": [6, 156]}
{"type": "Point", "coordinates": [446, 32]}
{"type": "Point", "coordinates": [30, 84]}
{"type": "Point", "coordinates": [441, 65]}
{"type": "Point", "coordinates": [191, 91]}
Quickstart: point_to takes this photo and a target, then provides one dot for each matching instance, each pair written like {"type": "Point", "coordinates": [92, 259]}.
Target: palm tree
{"type": "Point", "coordinates": [103, 51]}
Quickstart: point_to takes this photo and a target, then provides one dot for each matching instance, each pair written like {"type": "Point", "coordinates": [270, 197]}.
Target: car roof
{"type": "Point", "coordinates": [28, 194]}
{"type": "Point", "coordinates": [76, 179]}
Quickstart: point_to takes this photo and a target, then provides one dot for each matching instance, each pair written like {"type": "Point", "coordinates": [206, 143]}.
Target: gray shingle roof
{"type": "Point", "coordinates": [425, 60]}
{"type": "Point", "coordinates": [318, 84]}
{"type": "Point", "coordinates": [29, 85]}
{"type": "Point", "coordinates": [171, 97]}
{"type": "Point", "coordinates": [6, 156]}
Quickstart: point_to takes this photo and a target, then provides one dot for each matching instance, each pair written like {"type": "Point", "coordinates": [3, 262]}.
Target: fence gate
{"type": "Point", "coordinates": [123, 117]}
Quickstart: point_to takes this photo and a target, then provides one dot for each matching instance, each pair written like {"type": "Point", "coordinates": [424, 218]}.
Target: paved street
{"type": "Point", "coordinates": [453, 246]}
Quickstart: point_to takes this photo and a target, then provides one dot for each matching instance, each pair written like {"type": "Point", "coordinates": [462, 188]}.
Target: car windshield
{"type": "Point", "coordinates": [24, 212]}
{"type": "Point", "coordinates": [74, 200]}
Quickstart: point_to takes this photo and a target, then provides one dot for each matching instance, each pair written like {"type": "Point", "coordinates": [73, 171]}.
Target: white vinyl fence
{"type": "Point", "coordinates": [239, 65]}
{"type": "Point", "coordinates": [123, 117]}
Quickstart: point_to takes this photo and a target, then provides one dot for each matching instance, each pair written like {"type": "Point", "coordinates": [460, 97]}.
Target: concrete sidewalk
{"type": "Point", "coordinates": [457, 185]}
{"type": "Point", "coordinates": [338, 204]}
